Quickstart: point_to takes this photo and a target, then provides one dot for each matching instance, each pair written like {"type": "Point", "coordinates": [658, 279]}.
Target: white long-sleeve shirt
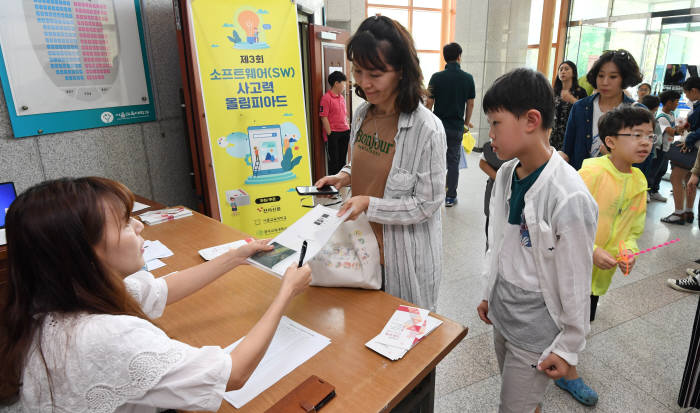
{"type": "Point", "coordinates": [107, 363]}
{"type": "Point", "coordinates": [410, 208]}
{"type": "Point", "coordinates": [562, 218]}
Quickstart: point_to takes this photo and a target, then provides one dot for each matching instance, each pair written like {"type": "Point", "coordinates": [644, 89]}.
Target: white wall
{"type": "Point", "coordinates": [493, 36]}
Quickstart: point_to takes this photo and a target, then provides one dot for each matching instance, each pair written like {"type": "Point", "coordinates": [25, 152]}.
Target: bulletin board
{"type": "Point", "coordinates": [73, 64]}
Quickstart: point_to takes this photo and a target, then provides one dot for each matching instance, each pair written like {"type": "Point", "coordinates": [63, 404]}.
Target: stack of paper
{"type": "Point", "coordinates": [406, 328]}
{"type": "Point", "coordinates": [316, 227]}
{"type": "Point", "coordinates": [162, 215]}
{"type": "Point", "coordinates": [213, 252]}
{"type": "Point", "coordinates": [291, 346]}
{"type": "Point", "coordinates": [152, 250]}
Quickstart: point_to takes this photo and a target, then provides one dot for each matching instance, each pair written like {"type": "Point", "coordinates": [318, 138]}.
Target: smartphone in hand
{"type": "Point", "coordinates": [312, 190]}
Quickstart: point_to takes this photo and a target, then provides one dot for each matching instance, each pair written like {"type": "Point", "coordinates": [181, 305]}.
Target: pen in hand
{"type": "Point", "coordinates": [303, 252]}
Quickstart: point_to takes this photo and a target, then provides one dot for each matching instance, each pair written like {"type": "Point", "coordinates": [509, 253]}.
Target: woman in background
{"type": "Point", "coordinates": [566, 93]}
{"type": "Point", "coordinates": [610, 75]}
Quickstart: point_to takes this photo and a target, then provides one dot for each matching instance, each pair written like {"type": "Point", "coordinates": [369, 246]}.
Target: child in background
{"type": "Point", "coordinates": [666, 122]}
{"type": "Point", "coordinates": [650, 103]}
{"type": "Point", "coordinates": [620, 190]}
{"type": "Point", "coordinates": [691, 88]}
{"type": "Point", "coordinates": [541, 233]}
{"type": "Point", "coordinates": [489, 163]}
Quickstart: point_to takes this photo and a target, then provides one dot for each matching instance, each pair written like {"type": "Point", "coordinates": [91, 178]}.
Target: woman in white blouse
{"type": "Point", "coordinates": [397, 168]}
{"type": "Point", "coordinates": [75, 331]}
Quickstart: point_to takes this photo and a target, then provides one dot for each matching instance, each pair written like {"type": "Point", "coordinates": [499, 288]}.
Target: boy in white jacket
{"type": "Point", "coordinates": [542, 228]}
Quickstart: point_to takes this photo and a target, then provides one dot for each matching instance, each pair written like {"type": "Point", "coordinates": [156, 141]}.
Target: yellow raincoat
{"type": "Point", "coordinates": [622, 206]}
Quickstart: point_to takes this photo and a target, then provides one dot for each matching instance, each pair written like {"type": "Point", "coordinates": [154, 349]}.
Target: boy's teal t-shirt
{"type": "Point", "coordinates": [518, 189]}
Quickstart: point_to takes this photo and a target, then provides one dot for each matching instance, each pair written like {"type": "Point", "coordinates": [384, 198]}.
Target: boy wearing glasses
{"type": "Point", "coordinates": [620, 191]}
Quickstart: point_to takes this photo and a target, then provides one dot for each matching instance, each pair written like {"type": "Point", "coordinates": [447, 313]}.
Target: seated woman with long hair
{"type": "Point", "coordinates": [75, 328]}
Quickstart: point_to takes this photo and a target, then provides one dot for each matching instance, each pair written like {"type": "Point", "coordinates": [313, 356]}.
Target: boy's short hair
{"type": "Point", "coordinates": [669, 96]}
{"type": "Point", "coordinates": [692, 82]}
{"type": "Point", "coordinates": [519, 91]}
{"type": "Point", "coordinates": [336, 77]}
{"type": "Point", "coordinates": [644, 84]}
{"type": "Point", "coordinates": [451, 52]}
{"type": "Point", "coordinates": [629, 70]}
{"type": "Point", "coordinates": [651, 102]}
{"type": "Point", "coordinates": [626, 116]}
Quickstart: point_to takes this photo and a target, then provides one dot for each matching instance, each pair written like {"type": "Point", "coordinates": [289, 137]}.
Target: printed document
{"type": "Point", "coordinates": [406, 328]}
{"type": "Point", "coordinates": [291, 346]}
{"type": "Point", "coordinates": [316, 228]}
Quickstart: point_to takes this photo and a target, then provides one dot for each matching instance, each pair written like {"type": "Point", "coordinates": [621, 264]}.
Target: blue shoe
{"type": "Point", "coordinates": [450, 202]}
{"type": "Point", "coordinates": [581, 392]}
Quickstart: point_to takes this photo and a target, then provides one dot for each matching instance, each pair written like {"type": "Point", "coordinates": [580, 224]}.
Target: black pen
{"type": "Point", "coordinates": [303, 252]}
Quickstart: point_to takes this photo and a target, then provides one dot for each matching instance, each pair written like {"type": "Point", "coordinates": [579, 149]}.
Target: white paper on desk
{"type": "Point", "coordinates": [155, 249]}
{"type": "Point", "coordinates": [154, 264]}
{"type": "Point", "coordinates": [213, 252]}
{"type": "Point", "coordinates": [291, 346]}
{"type": "Point", "coordinates": [316, 227]}
{"type": "Point", "coordinates": [139, 206]}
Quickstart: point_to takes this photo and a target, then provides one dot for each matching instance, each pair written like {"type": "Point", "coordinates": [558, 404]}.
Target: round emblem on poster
{"type": "Point", "coordinates": [107, 117]}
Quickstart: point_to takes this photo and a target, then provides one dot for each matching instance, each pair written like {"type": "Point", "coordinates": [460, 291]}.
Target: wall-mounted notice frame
{"type": "Point", "coordinates": [73, 64]}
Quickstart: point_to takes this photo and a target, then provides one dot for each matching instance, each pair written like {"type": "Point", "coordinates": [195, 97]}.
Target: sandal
{"type": "Point", "coordinates": [689, 217]}
{"type": "Point", "coordinates": [678, 219]}
{"type": "Point", "coordinates": [579, 390]}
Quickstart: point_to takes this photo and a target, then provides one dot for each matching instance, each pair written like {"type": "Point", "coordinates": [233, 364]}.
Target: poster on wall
{"type": "Point", "coordinates": [73, 64]}
{"type": "Point", "coordinates": [249, 61]}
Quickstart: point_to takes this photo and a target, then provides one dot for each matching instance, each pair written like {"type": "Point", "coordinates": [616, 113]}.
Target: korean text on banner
{"type": "Point", "coordinates": [250, 66]}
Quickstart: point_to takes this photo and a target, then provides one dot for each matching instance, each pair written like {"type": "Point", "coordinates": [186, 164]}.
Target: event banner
{"type": "Point", "coordinates": [249, 62]}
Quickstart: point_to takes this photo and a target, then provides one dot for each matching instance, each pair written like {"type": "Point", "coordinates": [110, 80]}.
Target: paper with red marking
{"type": "Point", "coordinates": [405, 327]}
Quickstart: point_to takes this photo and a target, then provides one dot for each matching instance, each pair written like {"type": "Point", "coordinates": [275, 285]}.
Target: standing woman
{"type": "Point", "coordinates": [611, 74]}
{"type": "Point", "coordinates": [566, 93]}
{"type": "Point", "coordinates": [397, 168]}
{"type": "Point", "coordinates": [75, 324]}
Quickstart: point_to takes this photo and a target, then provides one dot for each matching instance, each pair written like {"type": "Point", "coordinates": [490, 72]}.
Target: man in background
{"type": "Point", "coordinates": [334, 120]}
{"type": "Point", "coordinates": [452, 93]}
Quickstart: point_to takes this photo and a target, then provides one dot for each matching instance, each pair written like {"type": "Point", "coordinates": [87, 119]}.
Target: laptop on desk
{"type": "Point", "coordinates": [7, 195]}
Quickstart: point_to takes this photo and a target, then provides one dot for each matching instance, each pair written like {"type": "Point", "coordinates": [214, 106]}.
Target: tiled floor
{"type": "Point", "coordinates": [636, 351]}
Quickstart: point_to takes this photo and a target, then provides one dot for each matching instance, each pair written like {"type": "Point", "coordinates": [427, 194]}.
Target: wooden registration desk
{"type": "Point", "coordinates": [225, 310]}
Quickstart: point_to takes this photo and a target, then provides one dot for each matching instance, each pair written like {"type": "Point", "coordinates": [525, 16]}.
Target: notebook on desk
{"type": "Point", "coordinates": [7, 195]}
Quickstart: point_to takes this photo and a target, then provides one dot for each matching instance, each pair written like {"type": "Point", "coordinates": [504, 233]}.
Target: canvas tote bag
{"type": "Point", "coordinates": [350, 259]}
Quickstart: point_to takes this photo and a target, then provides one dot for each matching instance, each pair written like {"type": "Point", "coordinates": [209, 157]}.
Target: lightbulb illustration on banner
{"type": "Point", "coordinates": [249, 28]}
{"type": "Point", "coordinates": [249, 21]}
{"type": "Point", "coordinates": [77, 44]}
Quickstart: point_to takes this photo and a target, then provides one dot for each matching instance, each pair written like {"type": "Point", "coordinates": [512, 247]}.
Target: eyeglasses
{"type": "Point", "coordinates": [638, 137]}
{"type": "Point", "coordinates": [621, 53]}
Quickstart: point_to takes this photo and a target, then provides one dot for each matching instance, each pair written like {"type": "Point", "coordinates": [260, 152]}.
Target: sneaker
{"type": "Point", "coordinates": [692, 272]}
{"type": "Point", "coordinates": [579, 390]}
{"type": "Point", "coordinates": [689, 217]}
{"type": "Point", "coordinates": [688, 285]}
{"type": "Point", "coordinates": [655, 196]}
{"type": "Point", "coordinates": [450, 202]}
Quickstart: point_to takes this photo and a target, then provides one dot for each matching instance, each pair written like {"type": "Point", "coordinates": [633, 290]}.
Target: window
{"type": "Point", "coordinates": [545, 50]}
{"type": "Point", "coordinates": [420, 18]}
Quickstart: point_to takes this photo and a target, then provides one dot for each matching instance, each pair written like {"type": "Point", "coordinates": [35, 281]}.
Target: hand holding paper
{"type": "Point", "coordinates": [249, 248]}
{"type": "Point", "coordinates": [355, 205]}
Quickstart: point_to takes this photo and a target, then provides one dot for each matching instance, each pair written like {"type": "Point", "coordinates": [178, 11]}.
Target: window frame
{"type": "Point", "coordinates": [447, 12]}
